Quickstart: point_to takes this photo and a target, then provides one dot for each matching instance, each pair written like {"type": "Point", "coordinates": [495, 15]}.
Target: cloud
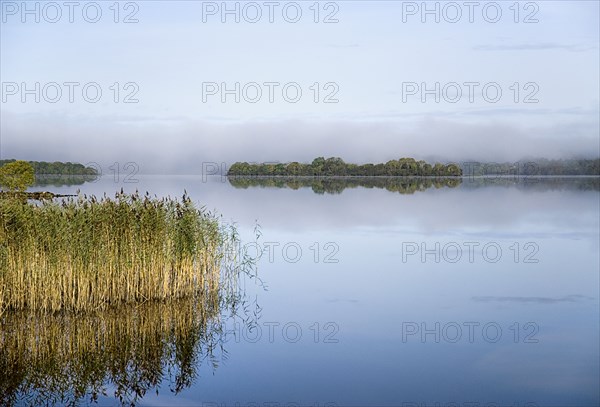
{"type": "Point", "coordinates": [536, 300]}
{"type": "Point", "coordinates": [536, 47]}
{"type": "Point", "coordinates": [354, 45]}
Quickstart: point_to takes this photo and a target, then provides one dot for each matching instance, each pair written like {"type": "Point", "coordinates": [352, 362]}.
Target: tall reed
{"type": "Point", "coordinates": [82, 254]}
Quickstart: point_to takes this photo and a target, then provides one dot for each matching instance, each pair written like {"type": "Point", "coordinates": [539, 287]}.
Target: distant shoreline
{"type": "Point", "coordinates": [410, 167]}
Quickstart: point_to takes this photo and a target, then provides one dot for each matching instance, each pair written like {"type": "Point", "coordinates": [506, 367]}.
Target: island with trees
{"type": "Point", "coordinates": [56, 173]}
{"type": "Point", "coordinates": [534, 167]}
{"type": "Point", "coordinates": [57, 168]}
{"type": "Point", "coordinates": [410, 167]}
{"type": "Point", "coordinates": [335, 166]}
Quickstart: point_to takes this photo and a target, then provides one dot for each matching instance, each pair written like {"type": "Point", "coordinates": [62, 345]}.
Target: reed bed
{"type": "Point", "coordinates": [84, 254]}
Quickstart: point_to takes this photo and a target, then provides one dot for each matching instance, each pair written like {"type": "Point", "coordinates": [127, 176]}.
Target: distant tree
{"type": "Point", "coordinates": [392, 168]}
{"type": "Point", "coordinates": [368, 170]}
{"type": "Point", "coordinates": [438, 169]}
{"type": "Point", "coordinates": [453, 170]}
{"type": "Point", "coordinates": [352, 169]}
{"type": "Point", "coordinates": [17, 176]}
{"type": "Point", "coordinates": [280, 169]}
{"type": "Point", "coordinates": [294, 168]}
{"type": "Point", "coordinates": [334, 166]}
{"type": "Point", "coordinates": [408, 166]}
{"type": "Point", "coordinates": [317, 165]}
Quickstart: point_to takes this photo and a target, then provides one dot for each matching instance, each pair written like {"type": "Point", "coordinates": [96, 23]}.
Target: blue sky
{"type": "Point", "coordinates": [367, 62]}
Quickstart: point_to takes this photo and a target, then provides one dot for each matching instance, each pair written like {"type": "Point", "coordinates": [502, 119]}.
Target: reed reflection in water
{"type": "Point", "coordinates": [123, 352]}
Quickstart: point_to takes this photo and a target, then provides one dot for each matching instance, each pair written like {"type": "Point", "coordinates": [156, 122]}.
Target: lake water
{"type": "Point", "coordinates": [393, 293]}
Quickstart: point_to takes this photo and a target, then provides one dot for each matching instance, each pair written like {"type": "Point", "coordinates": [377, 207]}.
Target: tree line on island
{"type": "Point", "coordinates": [409, 167]}
{"type": "Point", "coordinates": [56, 168]}
{"type": "Point", "coordinates": [18, 175]}
{"type": "Point", "coordinates": [538, 166]}
{"type": "Point", "coordinates": [335, 166]}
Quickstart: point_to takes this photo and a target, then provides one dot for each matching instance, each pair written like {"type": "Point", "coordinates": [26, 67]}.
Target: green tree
{"type": "Point", "coordinates": [17, 176]}
{"type": "Point", "coordinates": [317, 165]}
{"type": "Point", "coordinates": [453, 170]}
{"type": "Point", "coordinates": [392, 168]}
{"type": "Point", "coordinates": [334, 166]}
{"type": "Point", "coordinates": [294, 168]}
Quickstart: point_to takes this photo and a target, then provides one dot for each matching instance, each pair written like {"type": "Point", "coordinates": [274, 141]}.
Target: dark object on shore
{"type": "Point", "coordinates": [38, 196]}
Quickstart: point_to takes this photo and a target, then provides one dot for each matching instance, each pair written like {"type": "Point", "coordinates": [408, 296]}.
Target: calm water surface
{"type": "Point", "coordinates": [390, 293]}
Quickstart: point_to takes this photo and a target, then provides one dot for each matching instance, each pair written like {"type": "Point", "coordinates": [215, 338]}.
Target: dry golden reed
{"type": "Point", "coordinates": [84, 254]}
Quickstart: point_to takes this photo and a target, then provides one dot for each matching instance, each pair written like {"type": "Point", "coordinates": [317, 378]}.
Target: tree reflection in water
{"type": "Point", "coordinates": [410, 185]}
{"type": "Point", "coordinates": [46, 180]}
{"type": "Point", "coordinates": [336, 185]}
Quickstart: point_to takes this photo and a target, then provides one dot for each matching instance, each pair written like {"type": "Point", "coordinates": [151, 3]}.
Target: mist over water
{"type": "Point", "coordinates": [359, 142]}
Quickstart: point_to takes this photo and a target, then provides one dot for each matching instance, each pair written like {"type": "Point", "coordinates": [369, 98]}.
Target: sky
{"type": "Point", "coordinates": [173, 85]}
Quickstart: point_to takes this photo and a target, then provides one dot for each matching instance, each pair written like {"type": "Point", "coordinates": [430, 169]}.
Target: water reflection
{"type": "Point", "coordinates": [124, 352]}
{"type": "Point", "coordinates": [409, 185]}
{"type": "Point", "coordinates": [45, 180]}
{"type": "Point", "coordinates": [336, 185]}
{"type": "Point", "coordinates": [591, 183]}
{"type": "Point", "coordinates": [559, 294]}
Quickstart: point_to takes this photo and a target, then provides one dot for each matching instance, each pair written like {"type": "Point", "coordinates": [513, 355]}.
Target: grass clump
{"type": "Point", "coordinates": [83, 254]}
